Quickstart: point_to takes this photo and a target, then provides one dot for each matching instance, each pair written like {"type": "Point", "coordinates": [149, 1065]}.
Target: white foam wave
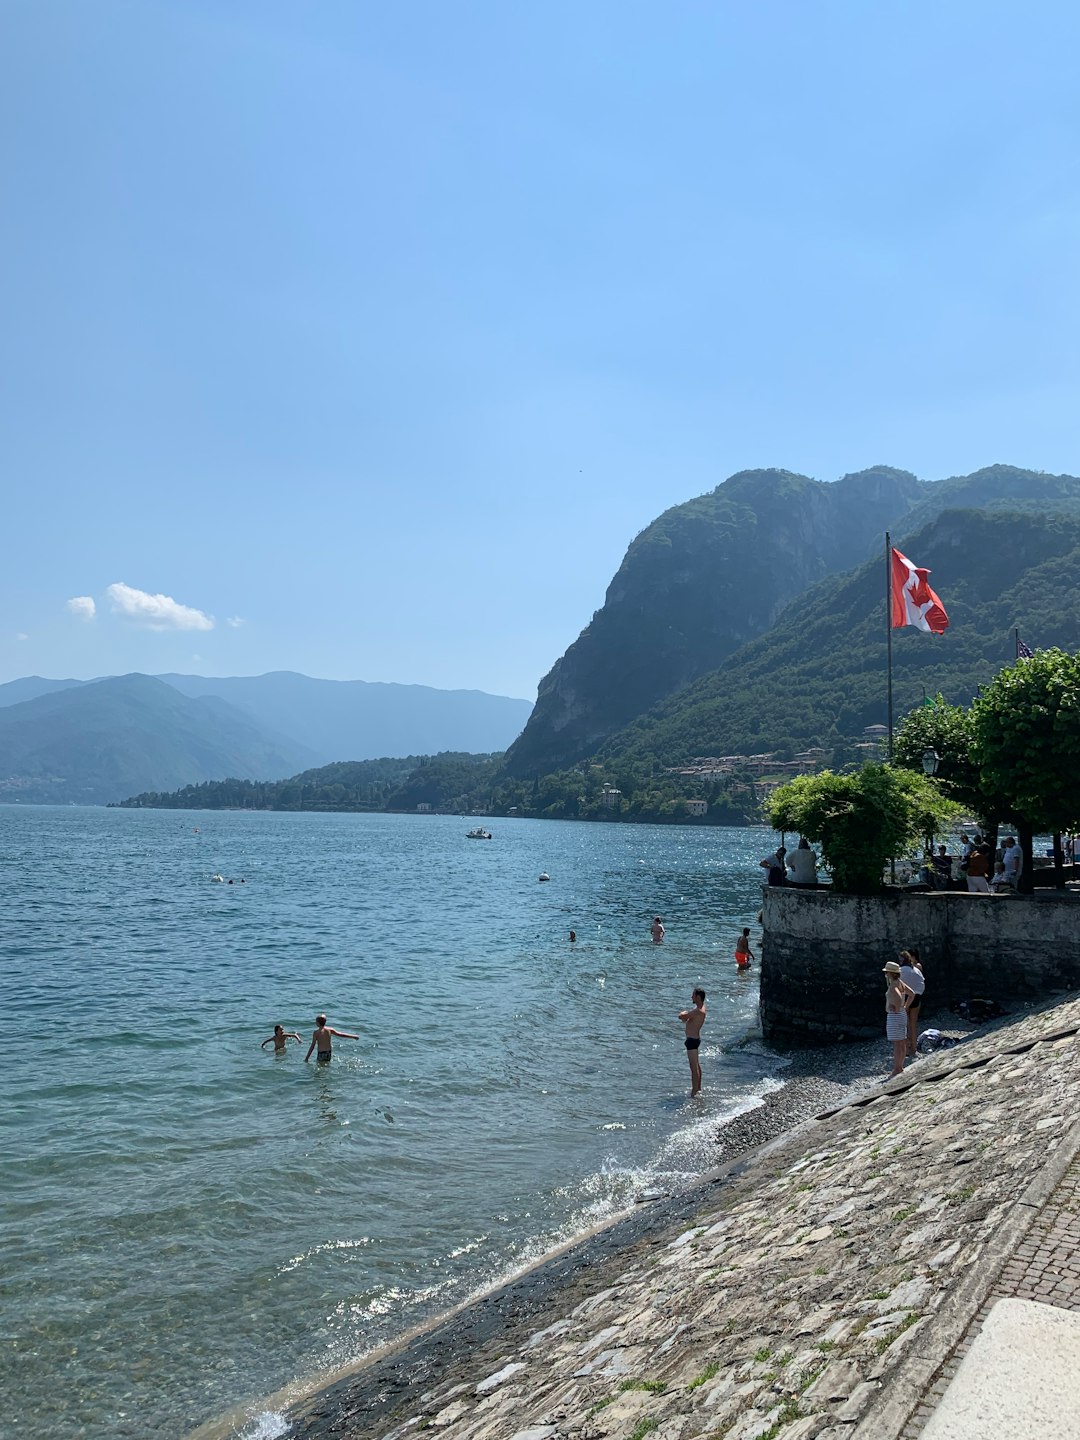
{"type": "Point", "coordinates": [298, 1260]}
{"type": "Point", "coordinates": [268, 1425]}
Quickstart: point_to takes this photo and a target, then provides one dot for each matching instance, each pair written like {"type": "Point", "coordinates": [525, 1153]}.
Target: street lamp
{"type": "Point", "coordinates": [930, 762]}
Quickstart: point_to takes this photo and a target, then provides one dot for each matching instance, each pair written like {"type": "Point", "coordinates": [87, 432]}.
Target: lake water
{"type": "Point", "coordinates": [190, 1224]}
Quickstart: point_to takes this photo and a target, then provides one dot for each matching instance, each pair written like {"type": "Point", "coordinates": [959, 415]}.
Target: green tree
{"type": "Point", "coordinates": [860, 820]}
{"type": "Point", "coordinates": [949, 730]}
{"type": "Point", "coordinates": [1026, 733]}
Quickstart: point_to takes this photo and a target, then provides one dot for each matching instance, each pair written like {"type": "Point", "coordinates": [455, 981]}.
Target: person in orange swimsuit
{"type": "Point", "coordinates": [743, 954]}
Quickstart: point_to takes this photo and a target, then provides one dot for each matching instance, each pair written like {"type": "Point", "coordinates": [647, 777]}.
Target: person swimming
{"type": "Point", "coordinates": [280, 1038]}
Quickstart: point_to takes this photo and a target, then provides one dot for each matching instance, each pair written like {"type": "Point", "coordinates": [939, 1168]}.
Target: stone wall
{"type": "Point", "coordinates": [822, 953]}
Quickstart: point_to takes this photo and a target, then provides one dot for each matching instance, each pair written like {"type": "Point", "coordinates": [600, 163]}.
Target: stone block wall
{"type": "Point", "coordinates": [822, 953]}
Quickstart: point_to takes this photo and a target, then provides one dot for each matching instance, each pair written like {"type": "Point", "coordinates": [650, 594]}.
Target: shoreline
{"type": "Point", "coordinates": [371, 1388]}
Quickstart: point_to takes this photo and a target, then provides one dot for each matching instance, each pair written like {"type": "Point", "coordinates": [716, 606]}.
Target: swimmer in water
{"type": "Point", "coordinates": [656, 929]}
{"type": "Point", "coordinates": [322, 1039]}
{"type": "Point", "coordinates": [692, 1021]}
{"type": "Point", "coordinates": [280, 1038]}
{"type": "Point", "coordinates": [573, 936]}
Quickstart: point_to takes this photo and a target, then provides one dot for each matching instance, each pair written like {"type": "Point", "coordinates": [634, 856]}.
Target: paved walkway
{"type": "Point", "coordinates": [1045, 1266]}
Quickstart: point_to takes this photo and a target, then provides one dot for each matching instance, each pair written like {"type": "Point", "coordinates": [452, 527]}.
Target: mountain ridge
{"type": "Point", "coordinates": [770, 535]}
{"type": "Point", "coordinates": [105, 739]}
{"type": "Point", "coordinates": [331, 720]}
{"type": "Point", "coordinates": [699, 581]}
{"type": "Point", "coordinates": [822, 667]}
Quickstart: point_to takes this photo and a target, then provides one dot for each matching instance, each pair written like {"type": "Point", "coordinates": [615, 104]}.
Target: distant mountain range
{"type": "Point", "coordinates": [104, 740]}
{"type": "Point", "coordinates": [748, 620]}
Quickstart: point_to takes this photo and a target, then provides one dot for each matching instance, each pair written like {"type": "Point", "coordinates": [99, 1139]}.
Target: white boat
{"type": "Point", "coordinates": [478, 834]}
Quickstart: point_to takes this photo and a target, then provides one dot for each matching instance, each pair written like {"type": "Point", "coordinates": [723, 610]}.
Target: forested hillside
{"type": "Point", "coordinates": [818, 677]}
{"type": "Point", "coordinates": [97, 742]}
{"type": "Point", "coordinates": [707, 577]}
{"type": "Point", "coordinates": [386, 784]}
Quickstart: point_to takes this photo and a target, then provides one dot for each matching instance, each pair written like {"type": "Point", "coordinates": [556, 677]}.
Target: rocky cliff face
{"type": "Point", "coordinates": [698, 583]}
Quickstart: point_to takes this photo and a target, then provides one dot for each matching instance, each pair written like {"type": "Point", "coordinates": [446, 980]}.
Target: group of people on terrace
{"type": "Point", "coordinates": [986, 870]}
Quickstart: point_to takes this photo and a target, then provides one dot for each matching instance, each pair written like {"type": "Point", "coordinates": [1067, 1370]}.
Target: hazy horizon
{"type": "Point", "coordinates": [262, 674]}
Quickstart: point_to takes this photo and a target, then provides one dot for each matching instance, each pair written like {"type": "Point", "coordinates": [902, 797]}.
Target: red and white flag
{"type": "Point", "coordinates": [913, 602]}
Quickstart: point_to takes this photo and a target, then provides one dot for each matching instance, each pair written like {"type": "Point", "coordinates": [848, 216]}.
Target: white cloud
{"type": "Point", "coordinates": [156, 612]}
{"type": "Point", "coordinates": [82, 606]}
{"type": "Point", "coordinates": [22, 635]}
{"type": "Point", "coordinates": [236, 621]}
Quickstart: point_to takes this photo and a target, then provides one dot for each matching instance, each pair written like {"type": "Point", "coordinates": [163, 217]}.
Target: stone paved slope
{"type": "Point", "coordinates": [809, 1285]}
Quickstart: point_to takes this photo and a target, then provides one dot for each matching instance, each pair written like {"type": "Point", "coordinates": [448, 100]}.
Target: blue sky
{"type": "Point", "coordinates": [379, 330]}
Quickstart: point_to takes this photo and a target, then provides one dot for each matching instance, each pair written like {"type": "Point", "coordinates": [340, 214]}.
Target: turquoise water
{"type": "Point", "coordinates": [189, 1223]}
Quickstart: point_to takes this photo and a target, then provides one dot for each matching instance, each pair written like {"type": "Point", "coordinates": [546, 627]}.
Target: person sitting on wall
{"type": "Point", "coordinates": [1000, 881]}
{"type": "Point", "coordinates": [774, 864]}
{"type": "Point", "coordinates": [802, 863]}
{"type": "Point", "coordinates": [942, 863]}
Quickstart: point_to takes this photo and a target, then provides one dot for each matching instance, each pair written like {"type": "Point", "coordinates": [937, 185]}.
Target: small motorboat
{"type": "Point", "coordinates": [544, 875]}
{"type": "Point", "coordinates": [478, 834]}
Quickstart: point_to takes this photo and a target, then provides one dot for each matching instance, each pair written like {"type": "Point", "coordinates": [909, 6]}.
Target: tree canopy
{"type": "Point", "coordinates": [1025, 728]}
{"type": "Point", "coordinates": [860, 820]}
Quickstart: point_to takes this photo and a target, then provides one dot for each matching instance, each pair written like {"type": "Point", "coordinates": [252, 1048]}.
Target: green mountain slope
{"type": "Point", "coordinates": [819, 676]}
{"type": "Point", "coordinates": [98, 742]}
{"type": "Point", "coordinates": [997, 487]}
{"type": "Point", "coordinates": [710, 576]}
{"type": "Point", "coordinates": [698, 583]}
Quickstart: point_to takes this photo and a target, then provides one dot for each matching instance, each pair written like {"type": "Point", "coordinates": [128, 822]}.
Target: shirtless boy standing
{"type": "Point", "coordinates": [280, 1039]}
{"type": "Point", "coordinates": [693, 1019]}
{"type": "Point", "coordinates": [657, 931]}
{"type": "Point", "coordinates": [322, 1039]}
{"type": "Point", "coordinates": [743, 953]}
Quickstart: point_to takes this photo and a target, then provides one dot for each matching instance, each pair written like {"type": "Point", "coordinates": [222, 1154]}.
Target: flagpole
{"type": "Point", "coordinates": [888, 631]}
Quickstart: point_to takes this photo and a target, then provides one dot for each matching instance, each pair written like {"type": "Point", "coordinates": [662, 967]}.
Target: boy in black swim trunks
{"type": "Point", "coordinates": [322, 1039]}
{"type": "Point", "coordinates": [692, 1020]}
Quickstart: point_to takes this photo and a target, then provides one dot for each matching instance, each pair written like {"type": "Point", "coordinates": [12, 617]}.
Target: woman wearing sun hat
{"type": "Point", "coordinates": [897, 995]}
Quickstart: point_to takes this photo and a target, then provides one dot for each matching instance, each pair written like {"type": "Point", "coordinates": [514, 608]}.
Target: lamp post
{"type": "Point", "coordinates": [930, 762]}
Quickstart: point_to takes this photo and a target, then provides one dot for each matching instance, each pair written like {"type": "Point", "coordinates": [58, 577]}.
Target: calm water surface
{"type": "Point", "coordinates": [189, 1224]}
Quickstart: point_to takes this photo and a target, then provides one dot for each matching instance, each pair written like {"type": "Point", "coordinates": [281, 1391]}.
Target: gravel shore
{"type": "Point", "coordinates": [809, 1288]}
{"type": "Point", "coordinates": [816, 1080]}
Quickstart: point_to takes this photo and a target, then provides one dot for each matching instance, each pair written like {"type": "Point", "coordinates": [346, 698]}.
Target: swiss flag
{"type": "Point", "coordinates": [913, 602]}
